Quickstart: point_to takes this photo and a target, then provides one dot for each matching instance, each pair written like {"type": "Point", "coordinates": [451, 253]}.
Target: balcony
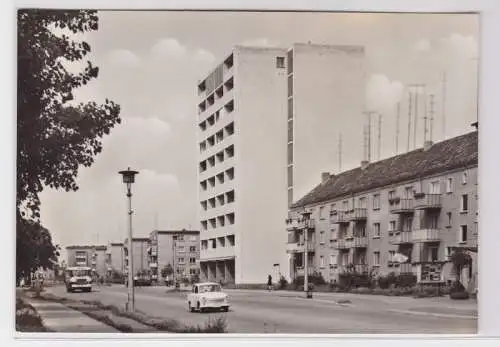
{"type": "Point", "coordinates": [405, 268]}
{"type": "Point", "coordinates": [292, 247]}
{"type": "Point", "coordinates": [401, 237]}
{"type": "Point", "coordinates": [306, 223]}
{"type": "Point", "coordinates": [361, 268]}
{"type": "Point", "coordinates": [427, 201]}
{"type": "Point", "coordinates": [358, 214]}
{"type": "Point", "coordinates": [425, 235]}
{"type": "Point", "coordinates": [292, 224]}
{"type": "Point", "coordinates": [343, 244]}
{"type": "Point", "coordinates": [310, 246]}
{"type": "Point", "coordinates": [339, 217]}
{"type": "Point", "coordinates": [153, 265]}
{"type": "Point", "coordinates": [359, 242]}
{"type": "Point", "coordinates": [301, 272]}
{"type": "Point", "coordinates": [397, 205]}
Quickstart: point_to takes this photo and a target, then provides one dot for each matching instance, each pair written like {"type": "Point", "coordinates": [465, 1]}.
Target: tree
{"type": "Point", "coordinates": [460, 259]}
{"type": "Point", "coordinates": [167, 271]}
{"type": "Point", "coordinates": [54, 137]}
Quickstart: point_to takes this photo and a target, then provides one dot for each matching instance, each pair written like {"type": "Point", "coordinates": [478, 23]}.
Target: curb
{"type": "Point", "coordinates": [438, 315]}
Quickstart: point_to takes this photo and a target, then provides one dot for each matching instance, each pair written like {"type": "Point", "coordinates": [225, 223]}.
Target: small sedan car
{"type": "Point", "coordinates": [205, 296]}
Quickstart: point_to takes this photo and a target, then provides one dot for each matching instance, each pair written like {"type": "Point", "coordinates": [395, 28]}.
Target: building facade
{"type": "Point", "coordinates": [115, 257]}
{"type": "Point", "coordinates": [243, 122]}
{"type": "Point", "coordinates": [140, 255]}
{"type": "Point", "coordinates": [405, 214]}
{"type": "Point", "coordinates": [93, 256]}
{"type": "Point", "coordinates": [178, 248]}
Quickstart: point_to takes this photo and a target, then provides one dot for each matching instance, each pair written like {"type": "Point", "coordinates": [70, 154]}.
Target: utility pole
{"type": "Point", "coordinates": [306, 220]}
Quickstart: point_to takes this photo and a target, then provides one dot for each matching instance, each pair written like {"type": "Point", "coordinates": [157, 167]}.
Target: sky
{"type": "Point", "coordinates": [150, 63]}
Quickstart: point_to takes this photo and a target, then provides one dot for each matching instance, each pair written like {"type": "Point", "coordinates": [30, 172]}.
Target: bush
{"type": "Point", "coordinates": [283, 283]}
{"type": "Point", "coordinates": [27, 319]}
{"type": "Point", "coordinates": [459, 296]}
{"type": "Point", "coordinates": [406, 280]}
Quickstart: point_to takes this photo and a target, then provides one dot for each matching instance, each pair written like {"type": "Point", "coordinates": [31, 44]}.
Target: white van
{"type": "Point", "coordinates": [78, 278]}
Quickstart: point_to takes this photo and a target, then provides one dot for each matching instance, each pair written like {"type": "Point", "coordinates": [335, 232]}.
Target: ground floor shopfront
{"type": "Point", "coordinates": [217, 270]}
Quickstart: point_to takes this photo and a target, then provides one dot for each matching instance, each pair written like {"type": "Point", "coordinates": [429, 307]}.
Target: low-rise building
{"type": "Point", "coordinates": [178, 248]}
{"type": "Point", "coordinates": [140, 255]}
{"type": "Point", "coordinates": [115, 257]}
{"type": "Point", "coordinates": [93, 256]}
{"type": "Point", "coordinates": [404, 214]}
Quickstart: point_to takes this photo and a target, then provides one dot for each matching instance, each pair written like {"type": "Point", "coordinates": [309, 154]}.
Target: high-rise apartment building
{"type": "Point", "coordinates": [404, 214]}
{"type": "Point", "coordinates": [245, 114]}
{"type": "Point", "coordinates": [178, 248]}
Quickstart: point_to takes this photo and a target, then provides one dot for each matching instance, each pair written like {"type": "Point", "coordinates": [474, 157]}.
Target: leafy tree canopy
{"type": "Point", "coordinates": [54, 136]}
{"type": "Point", "coordinates": [167, 271]}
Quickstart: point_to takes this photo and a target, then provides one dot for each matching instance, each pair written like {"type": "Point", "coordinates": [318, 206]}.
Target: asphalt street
{"type": "Point", "coordinates": [289, 312]}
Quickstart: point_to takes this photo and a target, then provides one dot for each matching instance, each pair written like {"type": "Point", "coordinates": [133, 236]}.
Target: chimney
{"type": "Point", "coordinates": [325, 176]}
{"type": "Point", "coordinates": [364, 164]}
{"type": "Point", "coordinates": [427, 145]}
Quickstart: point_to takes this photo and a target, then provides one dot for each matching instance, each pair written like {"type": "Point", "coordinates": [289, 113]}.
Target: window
{"type": "Point", "coordinates": [345, 205]}
{"type": "Point", "coordinates": [433, 253]}
{"type": "Point", "coordinates": [204, 244]}
{"type": "Point", "coordinates": [376, 230]}
{"type": "Point", "coordinates": [180, 237]}
{"type": "Point", "coordinates": [334, 234]}
{"type": "Point", "coordinates": [180, 249]}
{"type": "Point", "coordinates": [362, 202]}
{"type": "Point", "coordinates": [214, 243]}
{"type": "Point", "coordinates": [408, 192]}
{"type": "Point", "coordinates": [280, 62]}
{"type": "Point", "coordinates": [463, 233]}
{"type": "Point", "coordinates": [192, 260]}
{"type": "Point", "coordinates": [192, 238]}
{"type": "Point", "coordinates": [322, 261]}
{"type": "Point", "coordinates": [180, 260]}
{"type": "Point", "coordinates": [449, 185]}
{"type": "Point", "coordinates": [448, 251]}
{"type": "Point", "coordinates": [392, 194]}
{"type": "Point", "coordinates": [192, 271]}
{"type": "Point", "coordinates": [464, 178]}
{"type": "Point", "coordinates": [322, 212]}
{"type": "Point", "coordinates": [448, 214]}
{"type": "Point", "coordinates": [391, 256]}
{"type": "Point", "coordinates": [434, 187]}
{"type": "Point", "coordinates": [192, 249]}
{"type": "Point", "coordinates": [376, 258]}
{"type": "Point", "coordinates": [230, 239]}
{"type": "Point", "coordinates": [392, 225]}
{"type": "Point", "coordinates": [322, 237]}
{"type": "Point", "coordinates": [333, 259]}
{"type": "Point", "coordinates": [464, 203]}
{"type": "Point", "coordinates": [376, 201]}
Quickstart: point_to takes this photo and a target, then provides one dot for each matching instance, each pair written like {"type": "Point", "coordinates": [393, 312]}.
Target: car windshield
{"type": "Point", "coordinates": [78, 273]}
{"type": "Point", "coordinates": [210, 288]}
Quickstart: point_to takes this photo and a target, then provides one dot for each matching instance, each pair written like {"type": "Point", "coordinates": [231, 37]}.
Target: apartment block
{"type": "Point", "coordinates": [115, 257]}
{"type": "Point", "coordinates": [248, 143]}
{"type": "Point", "coordinates": [179, 248]}
{"type": "Point", "coordinates": [93, 256]}
{"type": "Point", "coordinates": [404, 214]}
{"type": "Point", "coordinates": [139, 252]}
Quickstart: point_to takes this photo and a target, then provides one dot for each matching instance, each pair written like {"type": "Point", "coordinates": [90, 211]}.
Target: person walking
{"type": "Point", "coordinates": [269, 282]}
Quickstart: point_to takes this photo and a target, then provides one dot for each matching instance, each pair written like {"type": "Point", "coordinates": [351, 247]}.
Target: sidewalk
{"type": "Point", "coordinates": [59, 318]}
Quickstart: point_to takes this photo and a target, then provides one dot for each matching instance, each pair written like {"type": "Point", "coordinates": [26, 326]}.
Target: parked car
{"type": "Point", "coordinates": [208, 295]}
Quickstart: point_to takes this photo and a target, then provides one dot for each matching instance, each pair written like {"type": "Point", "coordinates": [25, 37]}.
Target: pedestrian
{"type": "Point", "coordinates": [269, 282]}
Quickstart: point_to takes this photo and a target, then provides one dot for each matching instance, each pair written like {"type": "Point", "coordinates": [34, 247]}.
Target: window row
{"type": "Point", "coordinates": [217, 242]}
{"type": "Point", "coordinates": [215, 78]}
{"type": "Point", "coordinates": [182, 249]}
{"type": "Point", "coordinates": [218, 94]}
{"type": "Point", "coordinates": [219, 200]}
{"type": "Point", "coordinates": [216, 138]}
{"type": "Point", "coordinates": [220, 178]}
{"type": "Point", "coordinates": [217, 222]}
{"type": "Point", "coordinates": [217, 158]}
{"type": "Point", "coordinates": [182, 260]}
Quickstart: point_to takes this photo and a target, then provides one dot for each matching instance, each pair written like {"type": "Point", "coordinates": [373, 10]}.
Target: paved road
{"type": "Point", "coordinates": [287, 312]}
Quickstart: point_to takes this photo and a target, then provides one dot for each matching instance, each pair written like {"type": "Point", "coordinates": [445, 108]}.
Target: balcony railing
{"type": "Point", "coordinates": [292, 224]}
{"type": "Point", "coordinates": [292, 247]}
{"type": "Point", "coordinates": [339, 217]}
{"type": "Point", "coordinates": [405, 268]}
{"type": "Point", "coordinates": [300, 270]}
{"type": "Point", "coordinates": [427, 201]}
{"type": "Point", "coordinates": [425, 235]}
{"type": "Point", "coordinates": [310, 246]}
{"type": "Point", "coordinates": [398, 205]}
{"type": "Point", "coordinates": [359, 242]}
{"type": "Point", "coordinates": [400, 237]}
{"type": "Point", "coordinates": [306, 223]}
{"type": "Point", "coordinates": [361, 268]}
{"type": "Point", "coordinates": [153, 264]}
{"type": "Point", "coordinates": [343, 244]}
{"type": "Point", "coordinates": [358, 214]}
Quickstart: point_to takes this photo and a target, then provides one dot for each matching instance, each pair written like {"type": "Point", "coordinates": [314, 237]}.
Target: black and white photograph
{"type": "Point", "coordinates": [246, 172]}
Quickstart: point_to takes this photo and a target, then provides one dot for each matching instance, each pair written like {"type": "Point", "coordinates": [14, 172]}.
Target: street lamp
{"type": "Point", "coordinates": [128, 179]}
{"type": "Point", "coordinates": [305, 218]}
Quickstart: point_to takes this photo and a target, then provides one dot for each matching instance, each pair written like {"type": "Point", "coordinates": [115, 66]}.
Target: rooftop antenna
{"type": "Point", "coordinates": [443, 104]}
{"type": "Point", "coordinates": [379, 146]}
{"type": "Point", "coordinates": [415, 119]}
{"type": "Point", "coordinates": [398, 114]}
{"type": "Point", "coordinates": [425, 112]}
{"type": "Point", "coordinates": [409, 120]}
{"type": "Point", "coordinates": [431, 114]}
{"type": "Point", "coordinates": [368, 140]}
{"type": "Point", "coordinates": [340, 152]}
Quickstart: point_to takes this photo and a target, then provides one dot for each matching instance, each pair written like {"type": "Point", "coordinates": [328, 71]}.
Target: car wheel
{"type": "Point", "coordinates": [225, 308]}
{"type": "Point", "coordinates": [190, 308]}
{"type": "Point", "coordinates": [198, 307]}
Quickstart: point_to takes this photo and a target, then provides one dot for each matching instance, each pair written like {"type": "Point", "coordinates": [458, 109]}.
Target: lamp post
{"type": "Point", "coordinates": [128, 179]}
{"type": "Point", "coordinates": [305, 218]}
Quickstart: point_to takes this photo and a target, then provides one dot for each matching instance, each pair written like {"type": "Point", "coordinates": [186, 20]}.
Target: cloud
{"type": "Point", "coordinates": [259, 42]}
{"type": "Point", "coordinates": [168, 48]}
{"type": "Point", "coordinates": [382, 94]}
{"type": "Point", "coordinates": [124, 58]}
{"type": "Point", "coordinates": [203, 55]}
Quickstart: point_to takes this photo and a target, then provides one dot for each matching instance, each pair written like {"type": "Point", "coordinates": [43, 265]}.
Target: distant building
{"type": "Point", "coordinates": [179, 248]}
{"type": "Point", "coordinates": [93, 256]}
{"type": "Point", "coordinates": [115, 257]}
{"type": "Point", "coordinates": [404, 214]}
{"type": "Point", "coordinates": [291, 100]}
{"type": "Point", "coordinates": [139, 252]}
